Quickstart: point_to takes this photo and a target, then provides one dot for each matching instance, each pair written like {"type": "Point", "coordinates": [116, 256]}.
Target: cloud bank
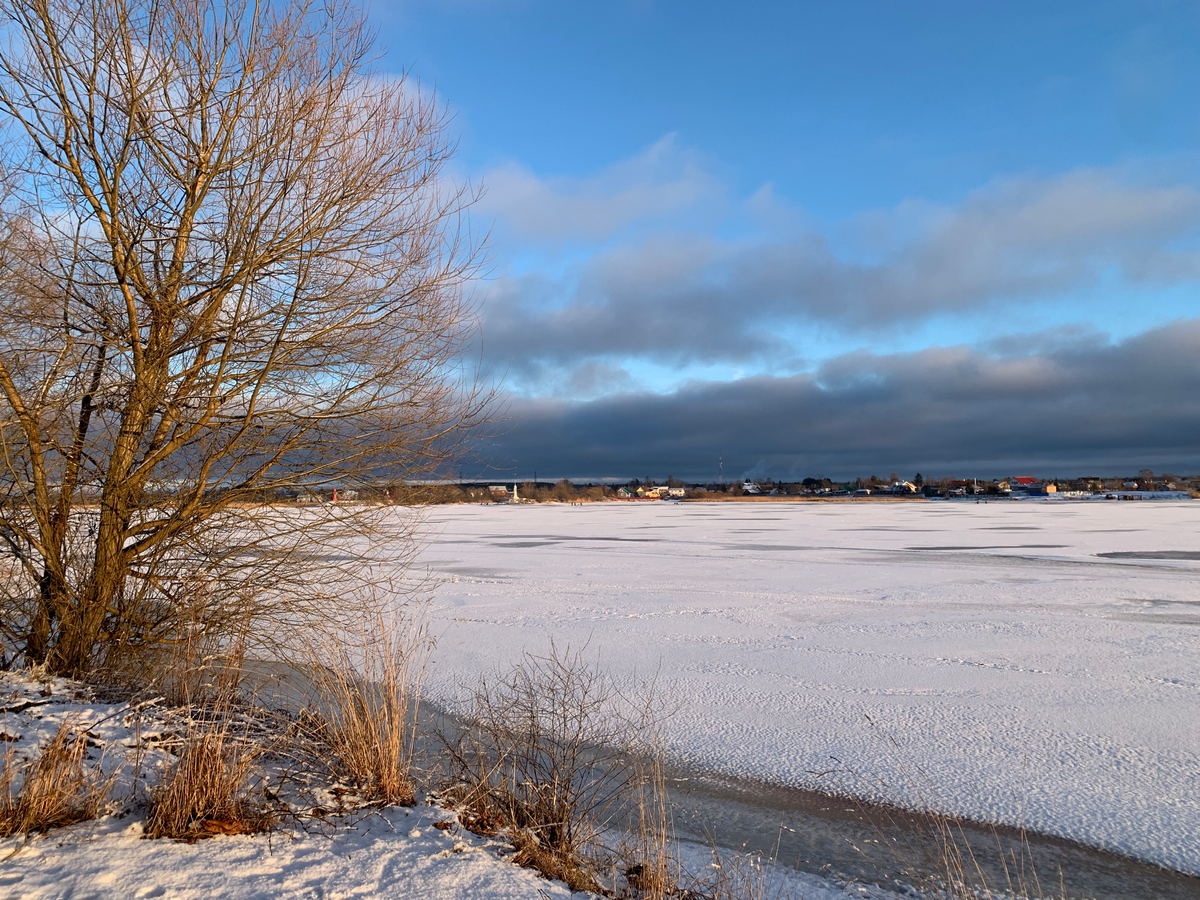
{"type": "Point", "coordinates": [1074, 404]}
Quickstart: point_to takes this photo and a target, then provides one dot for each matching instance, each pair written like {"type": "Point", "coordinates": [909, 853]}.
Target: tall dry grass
{"type": "Point", "coordinates": [366, 690]}
{"type": "Point", "coordinates": [959, 874]}
{"type": "Point", "coordinates": [647, 863]}
{"type": "Point", "coordinates": [552, 753]}
{"type": "Point", "coordinates": [57, 787]}
{"type": "Point", "coordinates": [939, 852]}
{"type": "Point", "coordinates": [740, 876]}
{"type": "Point", "coordinates": [215, 785]}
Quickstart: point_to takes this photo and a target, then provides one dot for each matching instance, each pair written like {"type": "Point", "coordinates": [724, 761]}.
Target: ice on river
{"type": "Point", "coordinates": [992, 660]}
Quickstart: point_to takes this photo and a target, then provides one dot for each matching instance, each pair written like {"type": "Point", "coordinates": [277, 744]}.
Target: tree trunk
{"type": "Point", "coordinates": [80, 630]}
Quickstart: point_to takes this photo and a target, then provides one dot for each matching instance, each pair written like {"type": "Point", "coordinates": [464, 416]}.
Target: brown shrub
{"type": "Point", "coordinates": [552, 753]}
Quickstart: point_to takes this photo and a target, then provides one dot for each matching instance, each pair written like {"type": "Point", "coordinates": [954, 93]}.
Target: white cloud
{"type": "Point", "coordinates": [663, 181]}
{"type": "Point", "coordinates": [679, 297]}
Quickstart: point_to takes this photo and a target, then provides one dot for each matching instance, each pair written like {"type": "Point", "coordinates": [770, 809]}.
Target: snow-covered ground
{"type": "Point", "coordinates": [1010, 671]}
{"type": "Point", "coordinates": [392, 853]}
{"type": "Point", "coordinates": [396, 854]}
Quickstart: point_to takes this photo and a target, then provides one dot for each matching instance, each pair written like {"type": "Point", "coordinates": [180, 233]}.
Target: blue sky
{"type": "Point", "coordinates": [786, 202]}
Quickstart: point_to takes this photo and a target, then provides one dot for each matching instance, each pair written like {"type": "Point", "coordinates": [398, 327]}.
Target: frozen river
{"type": "Point", "coordinates": [1035, 664]}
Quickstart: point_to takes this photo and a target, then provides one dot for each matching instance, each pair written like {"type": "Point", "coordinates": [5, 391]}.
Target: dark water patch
{"type": "Point", "coordinates": [755, 519]}
{"type": "Point", "coordinates": [767, 547]}
{"type": "Point", "coordinates": [558, 538]}
{"type": "Point", "coordinates": [627, 540]}
{"type": "Point", "coordinates": [899, 528]}
{"type": "Point", "coordinates": [1152, 603]}
{"type": "Point", "coordinates": [546, 540]}
{"type": "Point", "coordinates": [997, 547]}
{"type": "Point", "coordinates": [1150, 618]}
{"type": "Point", "coordinates": [1152, 554]}
{"type": "Point", "coordinates": [473, 572]}
{"type": "Point", "coordinates": [1010, 560]}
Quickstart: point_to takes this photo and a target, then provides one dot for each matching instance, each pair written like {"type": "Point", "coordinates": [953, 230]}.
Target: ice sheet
{"type": "Point", "coordinates": [983, 659]}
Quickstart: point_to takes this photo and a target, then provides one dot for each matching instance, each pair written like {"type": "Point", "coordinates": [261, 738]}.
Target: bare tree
{"type": "Point", "coordinates": [230, 266]}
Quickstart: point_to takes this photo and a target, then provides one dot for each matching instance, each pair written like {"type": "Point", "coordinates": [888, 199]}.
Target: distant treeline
{"type": "Point", "coordinates": [562, 491]}
{"type": "Point", "coordinates": [567, 491]}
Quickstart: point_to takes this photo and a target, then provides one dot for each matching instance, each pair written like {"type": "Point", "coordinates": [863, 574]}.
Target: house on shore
{"type": "Point", "coordinates": [1024, 484]}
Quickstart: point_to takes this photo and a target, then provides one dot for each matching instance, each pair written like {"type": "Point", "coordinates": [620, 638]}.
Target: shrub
{"type": "Point", "coordinates": [553, 751]}
{"type": "Point", "coordinates": [200, 663]}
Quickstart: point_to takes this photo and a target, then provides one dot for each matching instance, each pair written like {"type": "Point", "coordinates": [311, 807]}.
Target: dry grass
{"type": "Point", "coordinates": [577, 873]}
{"type": "Point", "coordinates": [933, 842]}
{"type": "Point", "coordinates": [366, 694]}
{"type": "Point", "coordinates": [646, 858]}
{"type": "Point", "coordinates": [213, 788]}
{"type": "Point", "coordinates": [961, 876]}
{"type": "Point", "coordinates": [740, 876]}
{"type": "Point", "coordinates": [57, 788]}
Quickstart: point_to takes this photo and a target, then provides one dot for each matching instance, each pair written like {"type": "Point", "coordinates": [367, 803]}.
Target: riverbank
{"type": "Point", "coordinates": [320, 843]}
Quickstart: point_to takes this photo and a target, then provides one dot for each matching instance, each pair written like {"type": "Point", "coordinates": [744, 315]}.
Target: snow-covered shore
{"type": "Point", "coordinates": [394, 854]}
{"type": "Point", "coordinates": [1031, 664]}
{"type": "Point", "coordinates": [420, 852]}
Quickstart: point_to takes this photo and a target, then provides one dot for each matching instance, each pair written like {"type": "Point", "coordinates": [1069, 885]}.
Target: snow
{"type": "Point", "coordinates": [394, 853]}
{"type": "Point", "coordinates": [983, 659]}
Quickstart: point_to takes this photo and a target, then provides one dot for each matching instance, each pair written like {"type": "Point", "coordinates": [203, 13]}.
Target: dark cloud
{"type": "Point", "coordinates": [692, 298]}
{"type": "Point", "coordinates": [1066, 404]}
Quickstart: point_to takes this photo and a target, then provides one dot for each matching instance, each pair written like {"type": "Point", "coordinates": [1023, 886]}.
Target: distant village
{"type": "Point", "coordinates": [1146, 485]}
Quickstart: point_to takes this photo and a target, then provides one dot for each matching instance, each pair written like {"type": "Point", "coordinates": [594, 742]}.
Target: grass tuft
{"type": "Point", "coordinates": [214, 788]}
{"type": "Point", "coordinates": [58, 788]}
{"type": "Point", "coordinates": [366, 694]}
